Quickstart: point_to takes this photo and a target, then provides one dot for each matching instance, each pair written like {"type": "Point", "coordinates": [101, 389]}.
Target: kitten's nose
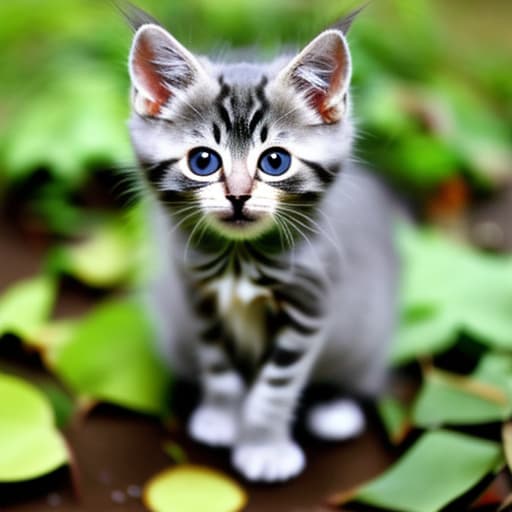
{"type": "Point", "coordinates": [238, 203]}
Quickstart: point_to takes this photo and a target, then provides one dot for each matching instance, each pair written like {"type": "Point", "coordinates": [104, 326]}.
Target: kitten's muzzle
{"type": "Point", "coordinates": [238, 203]}
{"type": "Point", "coordinates": [239, 215]}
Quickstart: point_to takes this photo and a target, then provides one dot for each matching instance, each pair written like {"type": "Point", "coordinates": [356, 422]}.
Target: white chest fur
{"type": "Point", "coordinates": [243, 306]}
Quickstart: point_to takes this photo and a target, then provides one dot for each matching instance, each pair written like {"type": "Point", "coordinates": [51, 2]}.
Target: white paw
{"type": "Point", "coordinates": [336, 421]}
{"type": "Point", "coordinates": [269, 462]}
{"type": "Point", "coordinates": [214, 425]}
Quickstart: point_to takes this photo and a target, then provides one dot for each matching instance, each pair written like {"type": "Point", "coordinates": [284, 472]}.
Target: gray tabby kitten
{"type": "Point", "coordinates": [277, 265]}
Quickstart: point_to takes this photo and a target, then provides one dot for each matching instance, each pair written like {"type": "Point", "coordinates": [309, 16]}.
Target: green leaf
{"type": "Point", "coordinates": [480, 137]}
{"type": "Point", "coordinates": [456, 289]}
{"type": "Point", "coordinates": [193, 489]}
{"type": "Point", "coordinates": [506, 436]}
{"type": "Point", "coordinates": [104, 259]}
{"type": "Point", "coordinates": [419, 338]}
{"type": "Point", "coordinates": [496, 368]}
{"type": "Point", "coordinates": [70, 123]}
{"type": "Point", "coordinates": [453, 399]}
{"type": "Point", "coordinates": [113, 252]}
{"type": "Point", "coordinates": [61, 403]}
{"type": "Point", "coordinates": [111, 356]}
{"type": "Point", "coordinates": [439, 468]}
{"type": "Point", "coordinates": [428, 159]}
{"type": "Point", "coordinates": [30, 445]}
{"type": "Point", "coordinates": [395, 418]}
{"type": "Point", "coordinates": [26, 306]}
{"type": "Point", "coordinates": [50, 337]}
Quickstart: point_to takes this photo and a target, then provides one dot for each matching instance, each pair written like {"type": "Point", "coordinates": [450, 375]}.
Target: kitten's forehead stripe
{"type": "Point", "coordinates": [264, 134]}
{"type": "Point", "coordinates": [225, 90]}
{"type": "Point", "coordinates": [216, 133]}
{"type": "Point", "coordinates": [256, 119]}
{"type": "Point", "coordinates": [225, 118]}
{"type": "Point", "coordinates": [242, 108]}
{"type": "Point", "coordinates": [260, 92]}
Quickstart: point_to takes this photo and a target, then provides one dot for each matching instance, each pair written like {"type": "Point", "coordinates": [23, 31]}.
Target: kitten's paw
{"type": "Point", "coordinates": [336, 420]}
{"type": "Point", "coordinates": [270, 462]}
{"type": "Point", "coordinates": [214, 425]}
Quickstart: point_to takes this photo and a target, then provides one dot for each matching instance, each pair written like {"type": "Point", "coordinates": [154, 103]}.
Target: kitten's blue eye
{"type": "Point", "coordinates": [275, 161]}
{"type": "Point", "coordinates": [204, 161]}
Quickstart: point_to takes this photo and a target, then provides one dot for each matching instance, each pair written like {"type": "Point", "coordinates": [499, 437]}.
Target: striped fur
{"type": "Point", "coordinates": [267, 283]}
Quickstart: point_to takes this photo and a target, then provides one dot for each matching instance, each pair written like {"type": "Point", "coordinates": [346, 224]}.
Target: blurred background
{"type": "Point", "coordinates": [432, 88]}
{"type": "Point", "coordinates": [433, 100]}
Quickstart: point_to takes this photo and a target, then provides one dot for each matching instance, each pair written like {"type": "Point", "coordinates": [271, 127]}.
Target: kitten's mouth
{"type": "Point", "coordinates": [238, 220]}
{"type": "Point", "coordinates": [241, 224]}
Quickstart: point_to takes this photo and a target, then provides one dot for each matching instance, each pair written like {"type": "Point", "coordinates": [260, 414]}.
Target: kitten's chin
{"type": "Point", "coordinates": [242, 227]}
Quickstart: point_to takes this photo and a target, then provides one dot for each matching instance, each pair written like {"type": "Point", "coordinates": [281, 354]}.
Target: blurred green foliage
{"type": "Point", "coordinates": [426, 110]}
{"type": "Point", "coordinates": [30, 443]}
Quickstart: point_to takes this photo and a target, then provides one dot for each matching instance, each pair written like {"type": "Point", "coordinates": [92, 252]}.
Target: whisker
{"type": "Point", "coordinates": [202, 219]}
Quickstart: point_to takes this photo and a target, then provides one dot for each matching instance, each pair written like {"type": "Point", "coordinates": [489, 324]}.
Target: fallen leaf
{"type": "Point", "coordinates": [50, 337]}
{"type": "Point", "coordinates": [449, 399]}
{"type": "Point", "coordinates": [189, 488]}
{"type": "Point", "coordinates": [26, 306]}
{"type": "Point", "coordinates": [112, 357]}
{"type": "Point", "coordinates": [506, 436]}
{"type": "Point", "coordinates": [30, 444]}
{"type": "Point", "coordinates": [395, 419]}
{"type": "Point", "coordinates": [62, 404]}
{"type": "Point", "coordinates": [114, 251]}
{"type": "Point", "coordinates": [436, 470]}
{"type": "Point", "coordinates": [102, 260]}
{"type": "Point", "coordinates": [449, 289]}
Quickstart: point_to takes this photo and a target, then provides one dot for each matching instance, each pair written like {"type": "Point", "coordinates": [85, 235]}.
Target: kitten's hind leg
{"type": "Point", "coordinates": [335, 420]}
{"type": "Point", "coordinates": [215, 420]}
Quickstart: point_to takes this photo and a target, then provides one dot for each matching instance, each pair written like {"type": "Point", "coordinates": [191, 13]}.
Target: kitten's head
{"type": "Point", "coordinates": [240, 149]}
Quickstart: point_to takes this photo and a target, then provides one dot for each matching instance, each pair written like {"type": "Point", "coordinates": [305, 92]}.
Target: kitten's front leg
{"type": "Point", "coordinates": [265, 450]}
{"type": "Point", "coordinates": [216, 420]}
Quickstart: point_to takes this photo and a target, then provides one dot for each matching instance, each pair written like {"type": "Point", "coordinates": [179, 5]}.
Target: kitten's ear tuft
{"type": "Point", "coordinates": [321, 73]}
{"type": "Point", "coordinates": [159, 67]}
{"type": "Point", "coordinates": [345, 23]}
{"type": "Point", "coordinates": [135, 16]}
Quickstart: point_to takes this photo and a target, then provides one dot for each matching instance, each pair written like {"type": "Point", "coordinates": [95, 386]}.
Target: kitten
{"type": "Point", "coordinates": [277, 264]}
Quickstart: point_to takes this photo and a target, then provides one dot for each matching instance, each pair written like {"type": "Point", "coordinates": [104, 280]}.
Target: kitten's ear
{"type": "Point", "coordinates": [160, 67]}
{"type": "Point", "coordinates": [321, 73]}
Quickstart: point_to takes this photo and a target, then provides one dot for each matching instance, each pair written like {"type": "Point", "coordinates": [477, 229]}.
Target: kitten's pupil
{"type": "Point", "coordinates": [204, 160]}
{"type": "Point", "coordinates": [275, 160]}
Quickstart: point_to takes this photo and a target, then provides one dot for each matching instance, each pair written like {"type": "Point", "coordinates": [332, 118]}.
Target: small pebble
{"type": "Point", "coordinates": [118, 497]}
{"type": "Point", "coordinates": [54, 499]}
{"type": "Point", "coordinates": [134, 491]}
